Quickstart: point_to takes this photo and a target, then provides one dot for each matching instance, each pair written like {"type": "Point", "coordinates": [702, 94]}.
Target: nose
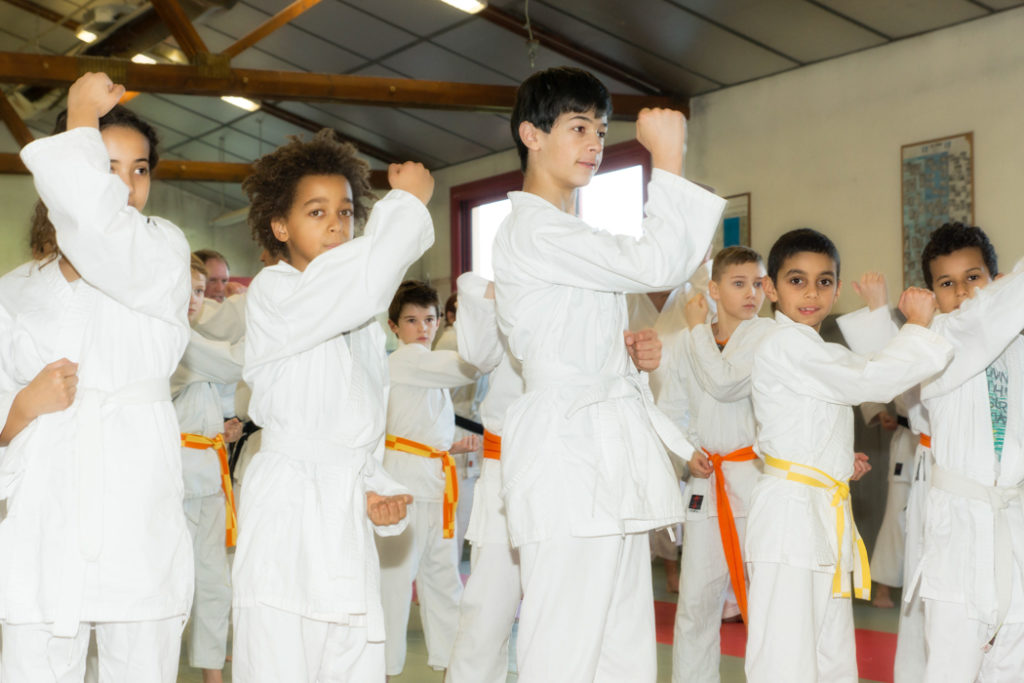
{"type": "Point", "coordinates": [961, 290]}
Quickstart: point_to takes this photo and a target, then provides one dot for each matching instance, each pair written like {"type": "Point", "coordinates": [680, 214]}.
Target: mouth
{"type": "Point", "coordinates": [588, 164]}
{"type": "Point", "coordinates": [808, 310]}
{"type": "Point", "coordinates": [332, 246]}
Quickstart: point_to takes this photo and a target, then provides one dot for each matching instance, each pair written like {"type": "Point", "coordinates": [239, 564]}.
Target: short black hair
{"type": "Point", "coordinates": [126, 118]}
{"type": "Point", "coordinates": [797, 241]}
{"type": "Point", "coordinates": [548, 94]}
{"type": "Point", "coordinates": [412, 292]}
{"type": "Point", "coordinates": [952, 237]}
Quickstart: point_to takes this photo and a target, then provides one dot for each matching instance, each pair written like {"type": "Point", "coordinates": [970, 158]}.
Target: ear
{"type": "Point", "coordinates": [769, 289]}
{"type": "Point", "coordinates": [392, 326]}
{"type": "Point", "coordinates": [280, 229]}
{"type": "Point", "coordinates": [713, 290]}
{"type": "Point", "coordinates": [530, 135]}
{"type": "Point", "coordinates": [839, 288]}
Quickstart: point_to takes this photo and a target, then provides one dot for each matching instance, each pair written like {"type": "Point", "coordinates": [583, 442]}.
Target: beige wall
{"type": "Point", "coordinates": [820, 146]}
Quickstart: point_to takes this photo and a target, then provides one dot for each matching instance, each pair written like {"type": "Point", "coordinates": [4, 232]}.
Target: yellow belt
{"type": "Point", "coordinates": [201, 443]}
{"type": "Point", "coordinates": [451, 479]}
{"type": "Point", "coordinates": [811, 476]}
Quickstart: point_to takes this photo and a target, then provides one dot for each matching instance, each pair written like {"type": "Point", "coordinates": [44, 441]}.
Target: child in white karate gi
{"type": "Point", "coordinates": [585, 473]}
{"type": "Point", "coordinates": [306, 575]}
{"type": "Point", "coordinates": [95, 535]}
{"type": "Point", "coordinates": [421, 427]}
{"type": "Point", "coordinates": [801, 539]}
{"type": "Point", "coordinates": [488, 608]}
{"type": "Point", "coordinates": [972, 570]}
{"type": "Point", "coordinates": [718, 358]}
{"type": "Point", "coordinates": [209, 499]}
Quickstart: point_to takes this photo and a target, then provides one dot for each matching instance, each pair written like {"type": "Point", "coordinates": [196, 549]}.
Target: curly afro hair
{"type": "Point", "coordinates": [275, 176]}
{"type": "Point", "coordinates": [952, 237]}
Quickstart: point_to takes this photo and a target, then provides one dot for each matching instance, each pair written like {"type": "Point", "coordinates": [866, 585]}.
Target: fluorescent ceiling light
{"type": "Point", "coordinates": [471, 6]}
{"type": "Point", "coordinates": [241, 102]}
{"type": "Point", "coordinates": [143, 59]}
{"type": "Point", "coordinates": [86, 36]}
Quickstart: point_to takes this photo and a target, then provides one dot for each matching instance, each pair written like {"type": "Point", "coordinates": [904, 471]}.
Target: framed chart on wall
{"type": "Point", "coordinates": [734, 228]}
{"type": "Point", "coordinates": [937, 178]}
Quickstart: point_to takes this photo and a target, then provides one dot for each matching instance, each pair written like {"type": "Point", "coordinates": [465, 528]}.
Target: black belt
{"type": "Point", "coordinates": [904, 422]}
{"type": "Point", "coordinates": [469, 425]}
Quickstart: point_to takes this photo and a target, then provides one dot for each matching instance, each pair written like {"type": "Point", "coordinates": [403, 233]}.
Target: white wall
{"type": "Point", "coordinates": [820, 146]}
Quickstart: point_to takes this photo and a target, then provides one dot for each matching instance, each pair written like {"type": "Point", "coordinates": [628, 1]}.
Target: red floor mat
{"type": "Point", "coordinates": [876, 650]}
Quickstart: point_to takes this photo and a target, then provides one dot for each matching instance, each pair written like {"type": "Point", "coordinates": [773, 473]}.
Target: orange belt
{"type": "Point", "coordinates": [926, 441]}
{"type": "Point", "coordinates": [451, 479]}
{"type": "Point", "coordinates": [201, 443]}
{"type": "Point", "coordinates": [727, 524]}
{"type": "Point", "coordinates": [492, 445]}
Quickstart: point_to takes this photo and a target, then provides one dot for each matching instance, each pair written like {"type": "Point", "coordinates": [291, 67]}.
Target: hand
{"type": "Point", "coordinates": [386, 510]}
{"type": "Point", "coordinates": [860, 466]}
{"type": "Point", "coordinates": [489, 291]}
{"type": "Point", "coordinates": [888, 422]}
{"type": "Point", "coordinates": [700, 466]}
{"type": "Point", "coordinates": [90, 98]}
{"type": "Point", "coordinates": [644, 348]}
{"type": "Point", "coordinates": [663, 133]}
{"type": "Point", "coordinates": [918, 305]}
{"type": "Point", "coordinates": [412, 177]}
{"type": "Point", "coordinates": [871, 287]}
{"type": "Point", "coordinates": [233, 288]}
{"type": "Point", "coordinates": [696, 310]}
{"type": "Point", "coordinates": [232, 430]}
{"type": "Point", "coordinates": [52, 390]}
{"type": "Point", "coordinates": [468, 444]}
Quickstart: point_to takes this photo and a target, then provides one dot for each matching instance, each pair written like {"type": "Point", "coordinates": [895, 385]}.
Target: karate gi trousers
{"type": "Point", "coordinates": [211, 608]}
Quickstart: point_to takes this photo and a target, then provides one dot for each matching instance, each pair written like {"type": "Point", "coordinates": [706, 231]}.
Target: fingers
{"type": "Point", "coordinates": [387, 510]}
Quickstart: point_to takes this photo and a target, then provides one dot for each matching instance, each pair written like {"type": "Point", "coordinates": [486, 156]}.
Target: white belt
{"type": "Point", "coordinates": [999, 499]}
{"type": "Point", "coordinates": [88, 477]}
{"type": "Point", "coordinates": [606, 387]}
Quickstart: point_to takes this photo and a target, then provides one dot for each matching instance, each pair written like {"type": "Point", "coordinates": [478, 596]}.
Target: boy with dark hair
{"type": "Point", "coordinates": [584, 469]}
{"type": "Point", "coordinates": [801, 539]}
{"type": "Point", "coordinates": [420, 436]}
{"type": "Point", "coordinates": [718, 358]}
{"type": "Point", "coordinates": [306, 575]}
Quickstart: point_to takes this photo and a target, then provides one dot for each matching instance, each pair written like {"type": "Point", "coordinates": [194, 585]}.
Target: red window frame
{"type": "Point", "coordinates": [464, 198]}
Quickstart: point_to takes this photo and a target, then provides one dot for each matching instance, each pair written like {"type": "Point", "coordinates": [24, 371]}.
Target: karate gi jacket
{"type": "Point", "coordinates": [315, 360]}
{"type": "Point", "coordinates": [95, 529]}
{"type": "Point", "coordinates": [803, 390]}
{"type": "Point", "coordinates": [583, 451]}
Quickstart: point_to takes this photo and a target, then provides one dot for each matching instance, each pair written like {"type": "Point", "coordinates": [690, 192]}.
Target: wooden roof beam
{"type": "Point", "coordinates": [19, 130]}
{"type": "Point", "coordinates": [179, 169]}
{"type": "Point", "coordinates": [269, 26]}
{"type": "Point", "coordinates": [176, 79]}
{"type": "Point", "coordinates": [181, 27]}
{"type": "Point", "coordinates": [567, 48]}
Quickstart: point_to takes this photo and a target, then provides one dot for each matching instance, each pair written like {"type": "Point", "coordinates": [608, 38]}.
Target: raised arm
{"type": "Point", "coordinates": [215, 361]}
{"type": "Point", "coordinates": [340, 289]}
{"type": "Point", "coordinates": [980, 330]}
{"type": "Point", "coordinates": [725, 375]}
{"type": "Point", "coordinates": [477, 329]}
{"type": "Point", "coordinates": [223, 321]}
{"type": "Point", "coordinates": [422, 367]}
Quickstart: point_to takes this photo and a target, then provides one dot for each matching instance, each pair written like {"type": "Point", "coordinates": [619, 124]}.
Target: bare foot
{"type": "Point", "coordinates": [672, 576]}
{"type": "Point", "coordinates": [882, 597]}
{"type": "Point", "coordinates": [212, 676]}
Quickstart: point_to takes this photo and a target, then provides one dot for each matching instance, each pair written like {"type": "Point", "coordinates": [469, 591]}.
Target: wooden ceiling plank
{"type": "Point", "coordinates": [181, 27]}
{"type": "Point", "coordinates": [567, 48]}
{"type": "Point", "coordinates": [270, 25]}
{"type": "Point", "coordinates": [62, 71]}
{"type": "Point", "coordinates": [180, 169]}
{"type": "Point", "coordinates": [22, 135]}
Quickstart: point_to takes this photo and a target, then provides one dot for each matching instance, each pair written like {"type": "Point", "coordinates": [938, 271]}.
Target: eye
{"type": "Point", "coordinates": [825, 282]}
{"type": "Point", "coordinates": [601, 134]}
{"type": "Point", "coordinates": [316, 213]}
{"type": "Point", "coordinates": [347, 212]}
{"type": "Point", "coordinates": [578, 129]}
{"type": "Point", "coordinates": [758, 284]}
{"type": "Point", "coordinates": [973, 277]}
{"type": "Point", "coordinates": [796, 281]}
{"type": "Point", "coordinates": [142, 170]}
{"type": "Point", "coordinates": [946, 283]}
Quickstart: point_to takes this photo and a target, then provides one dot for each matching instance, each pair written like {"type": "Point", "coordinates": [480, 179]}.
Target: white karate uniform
{"type": "Point", "coordinates": [972, 571]}
{"type": "Point", "coordinates": [583, 465]}
{"type": "Point", "coordinates": [721, 421]}
{"type": "Point", "coordinates": [866, 332]}
{"type": "Point", "coordinates": [95, 530]}
{"type": "Point", "coordinates": [420, 409]}
{"type": "Point", "coordinates": [487, 612]}
{"type": "Point", "coordinates": [315, 360]}
{"type": "Point", "coordinates": [802, 391]}
{"type": "Point", "coordinates": [888, 556]}
{"type": "Point", "coordinates": [206, 365]}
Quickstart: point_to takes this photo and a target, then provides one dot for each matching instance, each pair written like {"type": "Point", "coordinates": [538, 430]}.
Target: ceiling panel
{"type": "Point", "coordinates": [426, 61]}
{"type": "Point", "coordinates": [679, 36]}
{"type": "Point", "coordinates": [161, 111]}
{"type": "Point", "coordinates": [349, 27]}
{"type": "Point", "coordinates": [253, 58]}
{"type": "Point", "coordinates": [206, 150]}
{"type": "Point", "coordinates": [899, 19]}
{"type": "Point", "coordinates": [1002, 4]}
{"type": "Point", "coordinates": [489, 130]}
{"type": "Point", "coordinates": [796, 28]}
{"type": "Point", "coordinates": [420, 17]}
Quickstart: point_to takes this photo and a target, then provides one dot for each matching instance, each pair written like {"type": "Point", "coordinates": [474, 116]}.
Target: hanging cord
{"type": "Point", "coordinates": [531, 42]}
